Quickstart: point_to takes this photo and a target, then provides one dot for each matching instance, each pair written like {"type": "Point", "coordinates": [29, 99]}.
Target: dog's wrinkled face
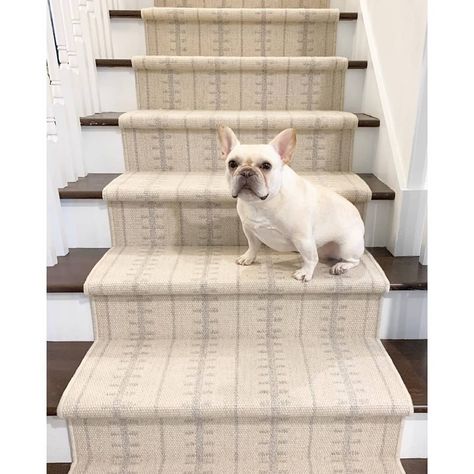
{"type": "Point", "coordinates": [254, 171]}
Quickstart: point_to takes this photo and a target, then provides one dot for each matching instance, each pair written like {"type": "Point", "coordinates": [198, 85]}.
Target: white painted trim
{"type": "Point", "coordinates": [86, 222]}
{"type": "Point", "coordinates": [57, 438]}
{"type": "Point", "coordinates": [419, 161]}
{"type": "Point", "coordinates": [407, 221]}
{"type": "Point", "coordinates": [415, 437]}
{"type": "Point", "coordinates": [69, 317]}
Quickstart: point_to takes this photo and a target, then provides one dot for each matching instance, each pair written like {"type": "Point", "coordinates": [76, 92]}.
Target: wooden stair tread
{"type": "Point", "coordinates": [91, 186]}
{"type": "Point", "coordinates": [412, 466]}
{"type": "Point", "coordinates": [409, 356]}
{"type": "Point", "coordinates": [343, 16]}
{"type": "Point", "coordinates": [58, 467]}
{"type": "Point", "coordinates": [404, 273]}
{"type": "Point", "coordinates": [108, 119]}
{"type": "Point", "coordinates": [353, 64]}
{"type": "Point", "coordinates": [69, 274]}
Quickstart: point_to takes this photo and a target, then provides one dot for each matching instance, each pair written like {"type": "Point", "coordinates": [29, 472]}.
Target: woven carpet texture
{"type": "Point", "coordinates": [190, 208]}
{"type": "Point", "coordinates": [239, 32]}
{"type": "Point", "coordinates": [243, 3]}
{"type": "Point", "coordinates": [246, 83]}
{"type": "Point", "coordinates": [159, 140]}
{"type": "Point", "coordinates": [200, 365]}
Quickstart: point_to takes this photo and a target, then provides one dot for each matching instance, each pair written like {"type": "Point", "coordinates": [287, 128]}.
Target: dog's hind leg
{"type": "Point", "coordinates": [349, 256]}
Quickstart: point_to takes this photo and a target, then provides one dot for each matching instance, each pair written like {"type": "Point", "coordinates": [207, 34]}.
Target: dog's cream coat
{"type": "Point", "coordinates": [284, 211]}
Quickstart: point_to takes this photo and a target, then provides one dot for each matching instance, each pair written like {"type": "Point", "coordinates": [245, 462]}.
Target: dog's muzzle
{"type": "Point", "coordinates": [250, 180]}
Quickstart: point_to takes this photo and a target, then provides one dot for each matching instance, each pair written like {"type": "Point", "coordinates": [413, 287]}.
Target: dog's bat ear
{"type": "Point", "coordinates": [227, 139]}
{"type": "Point", "coordinates": [285, 144]}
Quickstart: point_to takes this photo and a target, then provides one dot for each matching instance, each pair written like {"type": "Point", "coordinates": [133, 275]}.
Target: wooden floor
{"type": "Point", "coordinates": [412, 466]}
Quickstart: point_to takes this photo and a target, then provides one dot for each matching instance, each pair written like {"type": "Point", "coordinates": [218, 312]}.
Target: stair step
{"type": "Point", "coordinates": [91, 186]}
{"type": "Point", "coordinates": [111, 119]}
{"type": "Point", "coordinates": [70, 273]}
{"type": "Point", "coordinates": [194, 208]}
{"type": "Point", "coordinates": [409, 357]}
{"type": "Point", "coordinates": [241, 32]}
{"type": "Point", "coordinates": [144, 270]}
{"type": "Point", "coordinates": [186, 140]}
{"type": "Point", "coordinates": [411, 466]}
{"type": "Point", "coordinates": [243, 3]}
{"type": "Point", "coordinates": [343, 16]}
{"type": "Point", "coordinates": [107, 62]}
{"type": "Point", "coordinates": [128, 34]}
{"type": "Point", "coordinates": [222, 83]}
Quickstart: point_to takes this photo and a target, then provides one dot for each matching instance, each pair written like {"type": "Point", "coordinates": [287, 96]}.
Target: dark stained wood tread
{"type": "Point", "coordinates": [343, 16]}
{"type": "Point", "coordinates": [110, 119]}
{"type": "Point", "coordinates": [353, 64]}
{"type": "Point", "coordinates": [69, 274]}
{"type": "Point", "coordinates": [91, 186]}
{"type": "Point", "coordinates": [409, 357]}
{"type": "Point", "coordinates": [412, 466]}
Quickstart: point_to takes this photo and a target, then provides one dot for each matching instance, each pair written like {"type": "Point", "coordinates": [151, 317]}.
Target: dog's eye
{"type": "Point", "coordinates": [233, 164]}
{"type": "Point", "coordinates": [266, 166]}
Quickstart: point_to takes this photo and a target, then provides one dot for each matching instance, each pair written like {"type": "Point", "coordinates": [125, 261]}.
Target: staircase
{"type": "Point", "coordinates": [198, 364]}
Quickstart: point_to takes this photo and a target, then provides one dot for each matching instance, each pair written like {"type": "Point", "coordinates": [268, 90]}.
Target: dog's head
{"type": "Point", "coordinates": [254, 171]}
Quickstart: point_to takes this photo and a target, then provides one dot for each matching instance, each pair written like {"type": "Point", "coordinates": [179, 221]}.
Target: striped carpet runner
{"type": "Point", "coordinates": [200, 365]}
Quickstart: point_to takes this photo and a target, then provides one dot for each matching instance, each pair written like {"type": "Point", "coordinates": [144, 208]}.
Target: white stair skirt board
{"type": "Point", "coordinates": [79, 213]}
{"type": "Point", "coordinates": [403, 316]}
{"type": "Point", "coordinates": [103, 149]}
{"type": "Point", "coordinates": [414, 439]}
{"type": "Point", "coordinates": [69, 317]}
{"type": "Point", "coordinates": [117, 89]}
{"type": "Point", "coordinates": [128, 37]}
{"type": "Point", "coordinates": [86, 222]}
{"type": "Point", "coordinates": [57, 439]}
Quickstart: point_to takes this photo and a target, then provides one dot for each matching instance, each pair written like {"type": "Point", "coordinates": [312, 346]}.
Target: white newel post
{"type": "Point", "coordinates": [78, 32]}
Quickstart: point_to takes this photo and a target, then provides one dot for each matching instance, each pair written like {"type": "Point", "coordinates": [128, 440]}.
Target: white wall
{"type": "Point", "coordinates": [400, 31]}
{"type": "Point", "coordinates": [394, 88]}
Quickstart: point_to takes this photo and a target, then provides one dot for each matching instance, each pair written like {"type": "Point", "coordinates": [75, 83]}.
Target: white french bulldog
{"type": "Point", "coordinates": [287, 212]}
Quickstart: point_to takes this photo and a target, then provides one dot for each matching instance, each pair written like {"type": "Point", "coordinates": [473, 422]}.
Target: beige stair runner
{"type": "Point", "coordinates": [229, 83]}
{"type": "Point", "coordinates": [203, 366]}
{"type": "Point", "coordinates": [243, 3]}
{"type": "Point", "coordinates": [240, 32]}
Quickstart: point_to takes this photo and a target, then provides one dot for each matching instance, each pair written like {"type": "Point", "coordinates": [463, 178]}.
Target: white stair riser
{"type": "Point", "coordinates": [117, 89]}
{"type": "Point", "coordinates": [414, 439]}
{"type": "Point", "coordinates": [104, 153]}
{"type": "Point", "coordinates": [403, 315]}
{"type": "Point", "coordinates": [128, 37]}
{"type": "Point", "coordinates": [79, 213]}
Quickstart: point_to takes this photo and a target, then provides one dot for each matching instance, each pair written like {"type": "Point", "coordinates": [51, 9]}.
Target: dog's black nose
{"type": "Point", "coordinates": [247, 173]}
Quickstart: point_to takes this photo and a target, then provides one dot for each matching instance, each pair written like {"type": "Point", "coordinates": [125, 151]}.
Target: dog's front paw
{"type": "Point", "coordinates": [245, 259]}
{"type": "Point", "coordinates": [302, 275]}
